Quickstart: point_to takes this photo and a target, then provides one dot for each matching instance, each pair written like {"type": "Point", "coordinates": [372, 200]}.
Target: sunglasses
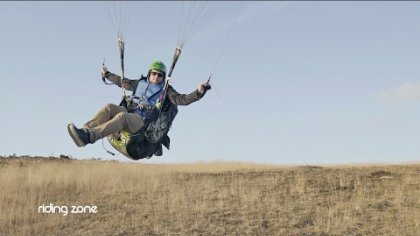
{"type": "Point", "coordinates": [159, 74]}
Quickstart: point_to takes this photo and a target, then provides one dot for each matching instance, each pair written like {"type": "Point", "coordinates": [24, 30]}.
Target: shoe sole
{"type": "Point", "coordinates": [74, 136]}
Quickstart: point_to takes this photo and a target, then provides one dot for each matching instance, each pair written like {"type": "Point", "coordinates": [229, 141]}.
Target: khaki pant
{"type": "Point", "coordinates": [112, 119]}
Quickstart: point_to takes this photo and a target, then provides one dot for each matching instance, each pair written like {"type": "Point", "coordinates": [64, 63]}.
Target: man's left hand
{"type": "Point", "coordinates": [202, 88]}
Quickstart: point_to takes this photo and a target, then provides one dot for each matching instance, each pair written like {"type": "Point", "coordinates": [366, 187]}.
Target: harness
{"type": "Point", "coordinates": [145, 96]}
{"type": "Point", "coordinates": [148, 141]}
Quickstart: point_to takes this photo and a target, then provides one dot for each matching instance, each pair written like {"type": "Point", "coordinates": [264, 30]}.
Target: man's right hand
{"type": "Point", "coordinates": [103, 70]}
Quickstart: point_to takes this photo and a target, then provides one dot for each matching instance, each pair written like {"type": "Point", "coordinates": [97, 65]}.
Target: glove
{"type": "Point", "coordinates": [103, 70]}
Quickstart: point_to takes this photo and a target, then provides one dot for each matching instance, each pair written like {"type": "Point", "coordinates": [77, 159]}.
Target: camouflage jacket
{"type": "Point", "coordinates": [172, 95]}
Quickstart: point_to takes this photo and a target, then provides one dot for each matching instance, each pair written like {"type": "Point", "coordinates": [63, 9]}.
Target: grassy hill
{"type": "Point", "coordinates": [113, 198]}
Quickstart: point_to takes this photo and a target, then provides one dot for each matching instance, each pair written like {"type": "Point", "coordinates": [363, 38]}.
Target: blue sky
{"type": "Point", "coordinates": [297, 83]}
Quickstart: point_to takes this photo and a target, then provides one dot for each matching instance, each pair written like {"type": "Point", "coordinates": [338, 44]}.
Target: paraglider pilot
{"type": "Point", "coordinates": [147, 90]}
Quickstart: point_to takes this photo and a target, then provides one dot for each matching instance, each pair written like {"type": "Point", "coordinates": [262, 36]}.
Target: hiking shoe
{"type": "Point", "coordinates": [80, 136]}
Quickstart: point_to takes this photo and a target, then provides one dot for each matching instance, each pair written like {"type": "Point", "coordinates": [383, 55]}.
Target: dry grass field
{"type": "Point", "coordinates": [206, 198]}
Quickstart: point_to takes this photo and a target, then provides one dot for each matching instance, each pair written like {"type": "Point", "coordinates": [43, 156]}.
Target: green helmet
{"type": "Point", "coordinates": [159, 66]}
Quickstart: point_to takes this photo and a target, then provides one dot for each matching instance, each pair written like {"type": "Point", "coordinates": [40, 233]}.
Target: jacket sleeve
{"type": "Point", "coordinates": [116, 79]}
{"type": "Point", "coordinates": [183, 99]}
